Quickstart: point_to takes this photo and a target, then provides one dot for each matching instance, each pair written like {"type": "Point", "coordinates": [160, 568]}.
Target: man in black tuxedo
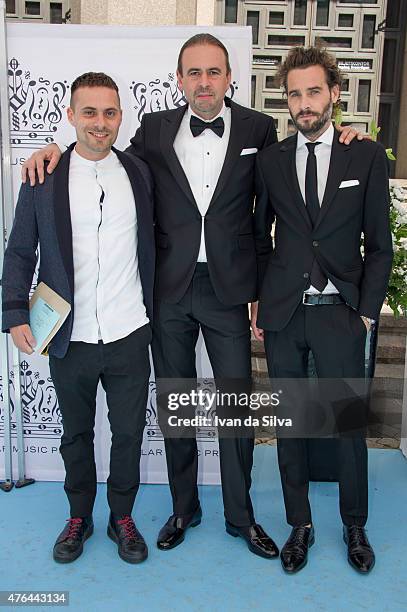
{"type": "Point", "coordinates": [317, 292]}
{"type": "Point", "coordinates": [202, 158]}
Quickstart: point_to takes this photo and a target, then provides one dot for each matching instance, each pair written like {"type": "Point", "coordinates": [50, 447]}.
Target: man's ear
{"type": "Point", "coordinates": [179, 81]}
{"type": "Point", "coordinates": [70, 114]}
{"type": "Point", "coordinates": [335, 93]}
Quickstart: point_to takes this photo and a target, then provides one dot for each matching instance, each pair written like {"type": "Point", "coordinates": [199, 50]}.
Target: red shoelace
{"type": "Point", "coordinates": [129, 527]}
{"type": "Point", "coordinates": [74, 526]}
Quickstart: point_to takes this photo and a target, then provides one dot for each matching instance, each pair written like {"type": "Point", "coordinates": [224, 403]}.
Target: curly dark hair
{"type": "Point", "coordinates": [302, 57]}
{"type": "Point", "coordinates": [93, 79]}
{"type": "Point", "coordinates": [203, 39]}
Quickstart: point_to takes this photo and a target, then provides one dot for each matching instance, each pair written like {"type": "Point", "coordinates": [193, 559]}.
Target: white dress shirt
{"type": "Point", "coordinates": [108, 296]}
{"type": "Point", "coordinates": [202, 158]}
{"type": "Point", "coordinates": [323, 155]}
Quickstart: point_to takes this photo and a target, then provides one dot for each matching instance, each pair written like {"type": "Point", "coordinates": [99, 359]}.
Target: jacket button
{"type": "Point", "coordinates": [306, 275]}
{"type": "Point", "coordinates": [315, 243]}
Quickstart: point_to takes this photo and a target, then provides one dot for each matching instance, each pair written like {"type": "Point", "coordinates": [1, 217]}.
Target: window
{"type": "Point", "coordinates": [55, 12]}
{"type": "Point", "coordinates": [368, 32]}
{"type": "Point", "coordinates": [253, 18]}
{"type": "Point", "coordinates": [300, 12]}
{"type": "Point", "coordinates": [38, 10]}
{"type": "Point", "coordinates": [363, 105]}
{"type": "Point", "coordinates": [291, 41]}
{"type": "Point", "coordinates": [334, 41]}
{"type": "Point", "coordinates": [322, 13]}
{"type": "Point", "coordinates": [275, 103]}
{"type": "Point", "coordinates": [230, 11]}
{"type": "Point", "coordinates": [11, 7]}
{"type": "Point", "coordinates": [345, 21]}
{"type": "Point", "coordinates": [272, 82]}
{"type": "Point", "coordinates": [276, 18]}
{"type": "Point", "coordinates": [33, 8]}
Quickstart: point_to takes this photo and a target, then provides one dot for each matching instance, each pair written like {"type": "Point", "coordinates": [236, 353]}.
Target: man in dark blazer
{"type": "Point", "coordinates": [317, 291]}
{"type": "Point", "coordinates": [202, 158]}
{"type": "Point", "coordinates": [93, 221]}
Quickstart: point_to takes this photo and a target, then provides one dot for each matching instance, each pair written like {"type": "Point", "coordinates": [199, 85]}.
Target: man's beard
{"type": "Point", "coordinates": [316, 126]}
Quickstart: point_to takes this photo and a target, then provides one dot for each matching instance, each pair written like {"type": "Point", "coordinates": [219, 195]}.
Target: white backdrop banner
{"type": "Point", "coordinates": [143, 62]}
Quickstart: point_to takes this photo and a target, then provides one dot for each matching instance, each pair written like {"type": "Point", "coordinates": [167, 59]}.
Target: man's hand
{"type": "Point", "coordinates": [348, 133]}
{"type": "Point", "coordinates": [34, 163]}
{"type": "Point", "coordinates": [367, 322]}
{"type": "Point", "coordinates": [258, 333]}
{"type": "Point", "coordinates": [23, 338]}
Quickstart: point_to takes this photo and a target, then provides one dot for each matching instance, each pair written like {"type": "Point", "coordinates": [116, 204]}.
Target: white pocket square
{"type": "Point", "coordinates": [248, 151]}
{"type": "Point", "coordinates": [351, 183]}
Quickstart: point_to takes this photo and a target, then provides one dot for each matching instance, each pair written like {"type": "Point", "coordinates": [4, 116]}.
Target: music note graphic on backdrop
{"type": "Point", "coordinates": [36, 107]}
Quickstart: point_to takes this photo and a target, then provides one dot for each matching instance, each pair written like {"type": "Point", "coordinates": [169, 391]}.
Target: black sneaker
{"type": "Point", "coordinates": [69, 544]}
{"type": "Point", "coordinates": [130, 543]}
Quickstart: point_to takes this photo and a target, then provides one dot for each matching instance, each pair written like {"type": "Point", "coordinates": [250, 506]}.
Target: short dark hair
{"type": "Point", "coordinates": [93, 79]}
{"type": "Point", "coordinates": [203, 39]}
{"type": "Point", "coordinates": [301, 57]}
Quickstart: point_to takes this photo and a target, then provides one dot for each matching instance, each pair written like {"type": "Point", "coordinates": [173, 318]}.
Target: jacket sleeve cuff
{"type": "Point", "coordinates": [11, 318]}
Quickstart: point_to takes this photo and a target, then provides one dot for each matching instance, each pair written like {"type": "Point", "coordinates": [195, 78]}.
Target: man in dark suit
{"type": "Point", "coordinates": [93, 221]}
{"type": "Point", "coordinates": [202, 158]}
{"type": "Point", "coordinates": [317, 291]}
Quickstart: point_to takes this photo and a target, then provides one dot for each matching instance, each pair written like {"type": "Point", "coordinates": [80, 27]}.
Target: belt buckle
{"type": "Point", "coordinates": [304, 297]}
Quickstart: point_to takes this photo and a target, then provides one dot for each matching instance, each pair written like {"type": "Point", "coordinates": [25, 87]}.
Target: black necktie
{"type": "Point", "coordinates": [311, 183]}
{"type": "Point", "coordinates": [198, 126]}
{"type": "Point", "coordinates": [318, 278]}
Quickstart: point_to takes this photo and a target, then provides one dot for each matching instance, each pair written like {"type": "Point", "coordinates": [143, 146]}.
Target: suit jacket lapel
{"type": "Point", "coordinates": [340, 159]}
{"type": "Point", "coordinates": [289, 169]}
{"type": "Point", "coordinates": [137, 185]}
{"type": "Point", "coordinates": [241, 126]}
{"type": "Point", "coordinates": [169, 128]}
{"type": "Point", "coordinates": [62, 214]}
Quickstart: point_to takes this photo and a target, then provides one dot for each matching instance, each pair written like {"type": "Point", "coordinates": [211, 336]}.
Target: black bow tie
{"type": "Point", "coordinates": [198, 126]}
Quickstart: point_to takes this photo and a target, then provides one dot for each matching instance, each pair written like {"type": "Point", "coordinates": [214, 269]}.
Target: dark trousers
{"type": "Point", "coordinates": [226, 332]}
{"type": "Point", "coordinates": [123, 368]}
{"type": "Point", "coordinates": [336, 335]}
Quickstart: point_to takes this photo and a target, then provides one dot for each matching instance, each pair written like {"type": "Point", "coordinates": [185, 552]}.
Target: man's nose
{"type": "Point", "coordinates": [100, 121]}
{"type": "Point", "coordinates": [204, 80]}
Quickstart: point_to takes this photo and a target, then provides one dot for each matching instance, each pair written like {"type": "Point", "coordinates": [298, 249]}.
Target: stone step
{"type": "Point", "coordinates": [389, 371]}
{"type": "Point", "coordinates": [393, 325]}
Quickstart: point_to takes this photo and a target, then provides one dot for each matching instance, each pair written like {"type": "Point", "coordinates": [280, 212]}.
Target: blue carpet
{"type": "Point", "coordinates": [211, 570]}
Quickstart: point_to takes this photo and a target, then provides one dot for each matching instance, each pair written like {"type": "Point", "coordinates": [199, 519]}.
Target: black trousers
{"type": "Point", "coordinates": [123, 368]}
{"type": "Point", "coordinates": [336, 335]}
{"type": "Point", "coordinates": [226, 331]}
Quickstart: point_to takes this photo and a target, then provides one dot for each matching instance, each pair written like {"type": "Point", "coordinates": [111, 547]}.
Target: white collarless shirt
{"type": "Point", "coordinates": [108, 296]}
{"type": "Point", "coordinates": [323, 156]}
{"type": "Point", "coordinates": [202, 158]}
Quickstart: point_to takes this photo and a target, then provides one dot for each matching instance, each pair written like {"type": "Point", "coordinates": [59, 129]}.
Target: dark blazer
{"type": "Point", "coordinates": [229, 219]}
{"type": "Point", "coordinates": [345, 214]}
{"type": "Point", "coordinates": [43, 215]}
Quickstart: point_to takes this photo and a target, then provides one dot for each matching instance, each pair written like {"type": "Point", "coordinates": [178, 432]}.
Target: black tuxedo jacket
{"type": "Point", "coordinates": [229, 220]}
{"type": "Point", "coordinates": [346, 212]}
{"type": "Point", "coordinates": [43, 216]}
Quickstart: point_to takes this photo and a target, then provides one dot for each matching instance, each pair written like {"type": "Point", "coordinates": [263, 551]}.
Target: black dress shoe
{"type": "Point", "coordinates": [130, 543]}
{"type": "Point", "coordinates": [360, 554]}
{"type": "Point", "coordinates": [294, 554]}
{"type": "Point", "coordinates": [173, 532]}
{"type": "Point", "coordinates": [257, 539]}
{"type": "Point", "coordinates": [69, 544]}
